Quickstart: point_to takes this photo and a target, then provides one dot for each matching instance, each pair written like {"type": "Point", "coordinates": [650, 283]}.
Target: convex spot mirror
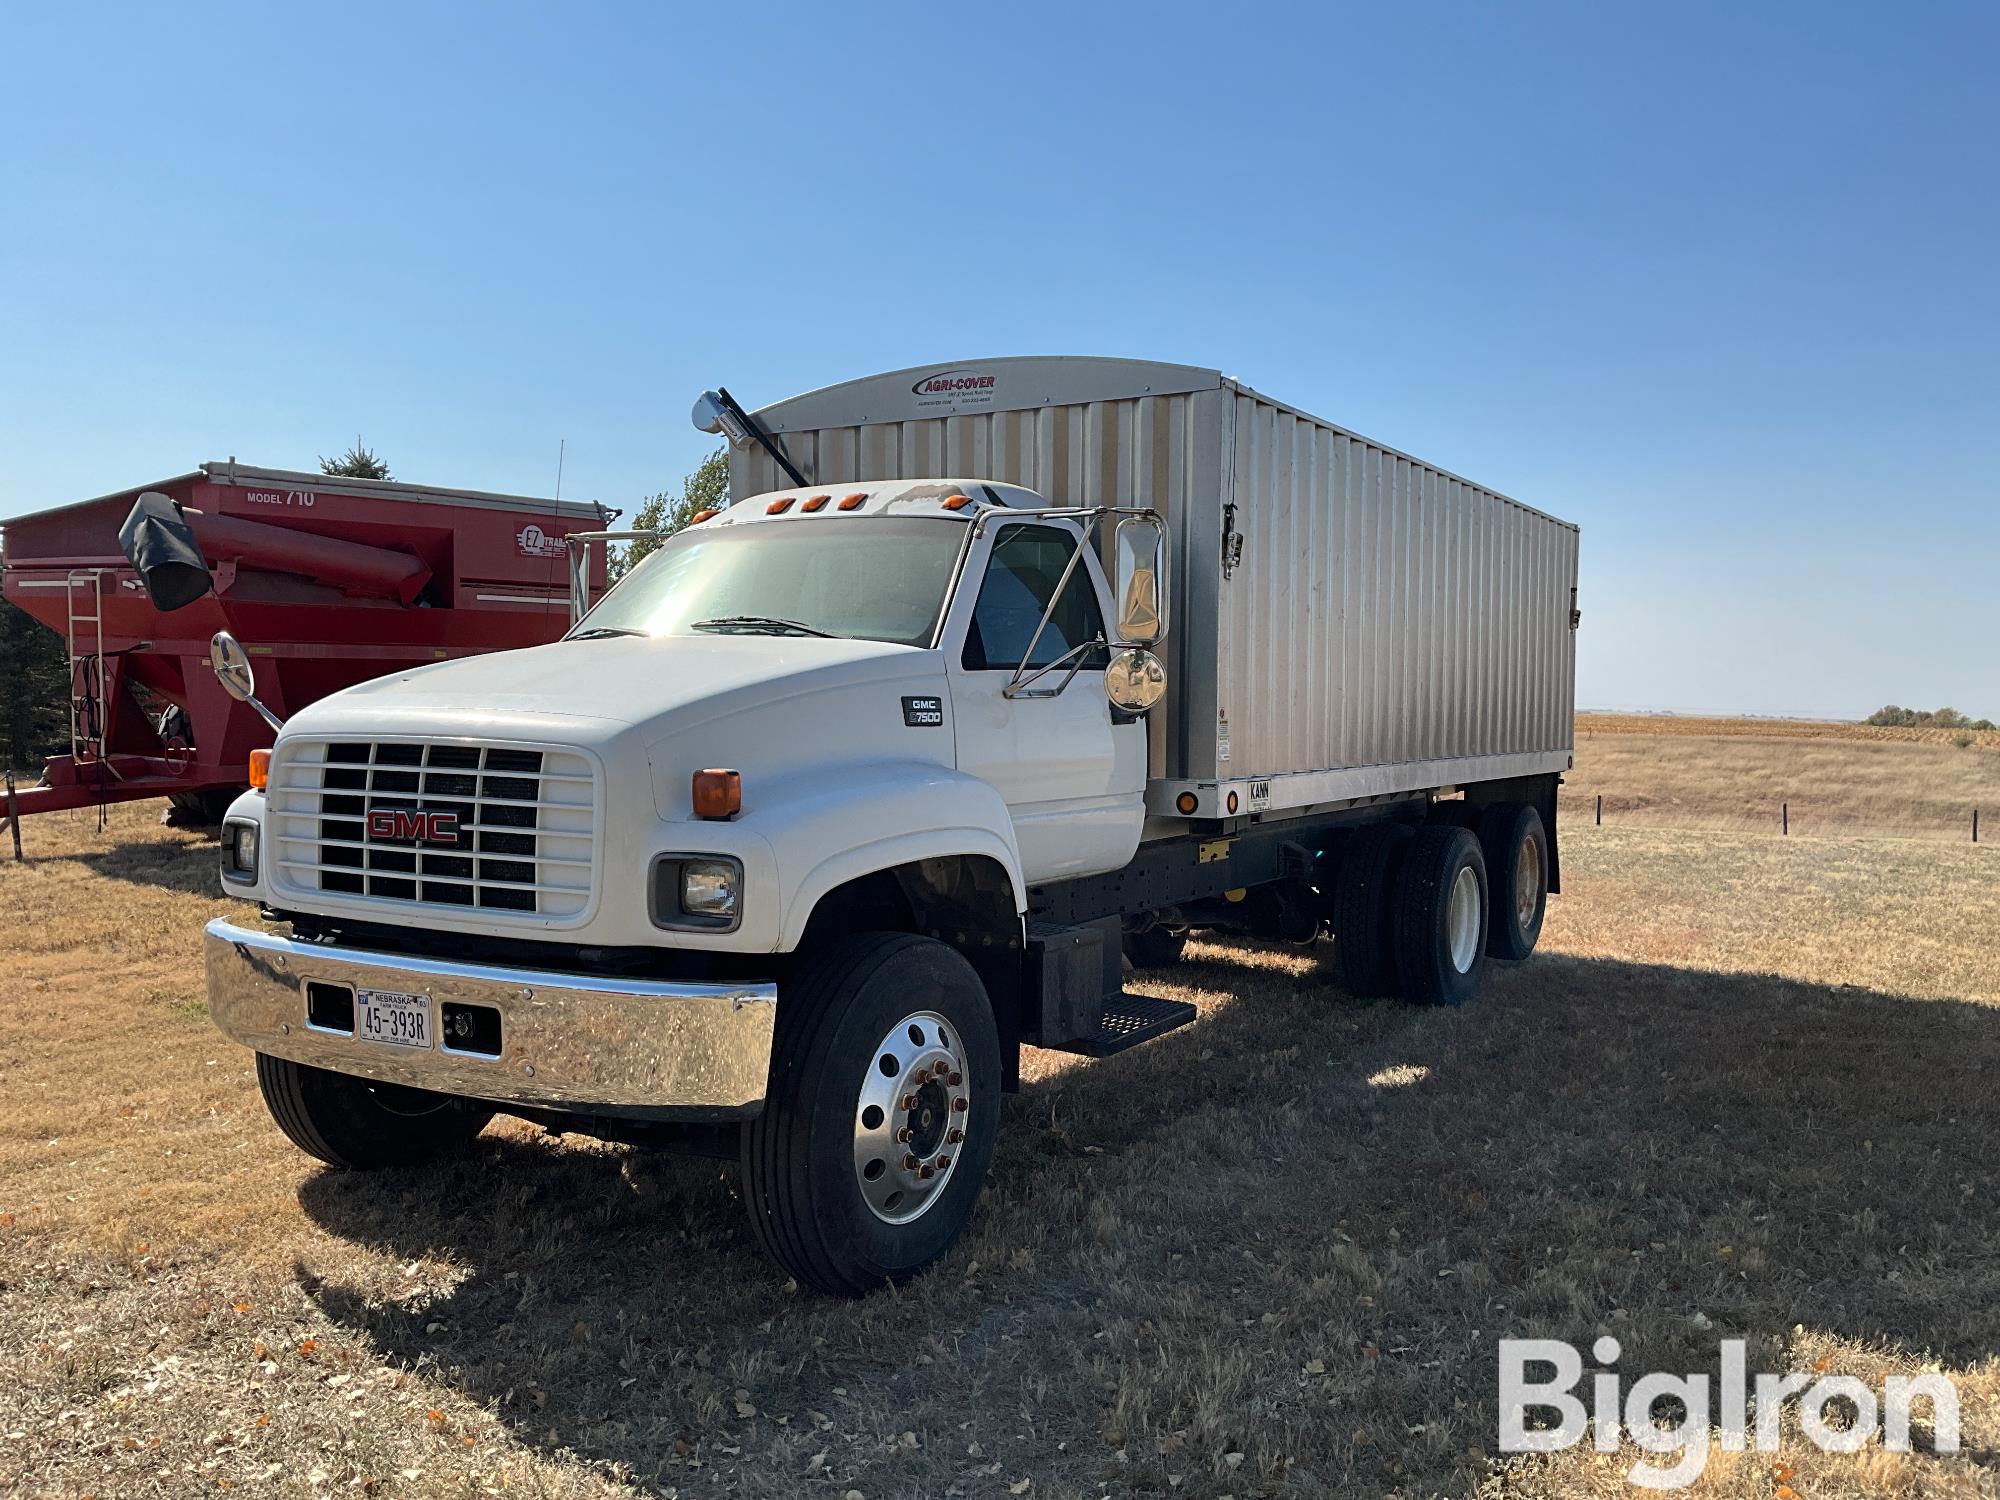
{"type": "Point", "coordinates": [1142, 581]}
{"type": "Point", "coordinates": [1135, 680]}
{"type": "Point", "coordinates": [232, 666]}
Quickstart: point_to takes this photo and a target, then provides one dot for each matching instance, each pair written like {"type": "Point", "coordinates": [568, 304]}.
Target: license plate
{"type": "Point", "coordinates": [399, 1020]}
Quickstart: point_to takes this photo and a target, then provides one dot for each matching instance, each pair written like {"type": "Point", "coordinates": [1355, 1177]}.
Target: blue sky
{"type": "Point", "coordinates": [1720, 285]}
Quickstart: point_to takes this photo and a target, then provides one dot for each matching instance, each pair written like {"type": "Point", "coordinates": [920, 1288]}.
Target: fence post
{"type": "Point", "coordinates": [14, 818]}
{"type": "Point", "coordinates": [1975, 825]}
{"type": "Point", "coordinates": [1785, 816]}
{"type": "Point", "coordinates": [1600, 812]}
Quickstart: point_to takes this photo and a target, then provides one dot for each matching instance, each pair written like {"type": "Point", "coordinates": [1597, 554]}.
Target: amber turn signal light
{"type": "Point", "coordinates": [957, 502]}
{"type": "Point", "coordinates": [779, 507]}
{"type": "Point", "coordinates": [699, 516]}
{"type": "Point", "coordinates": [717, 794]}
{"type": "Point", "coordinates": [818, 502]}
{"type": "Point", "coordinates": [1187, 802]}
{"type": "Point", "coordinates": [852, 502]}
{"type": "Point", "coordinates": [260, 770]}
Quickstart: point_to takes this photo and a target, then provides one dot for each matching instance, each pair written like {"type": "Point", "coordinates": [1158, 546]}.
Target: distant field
{"type": "Point", "coordinates": [1781, 729]}
{"type": "Point", "coordinates": [1839, 779]}
{"type": "Point", "coordinates": [1746, 1090]}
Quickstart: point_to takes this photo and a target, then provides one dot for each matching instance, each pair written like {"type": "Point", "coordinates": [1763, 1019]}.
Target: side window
{"type": "Point", "coordinates": [1021, 577]}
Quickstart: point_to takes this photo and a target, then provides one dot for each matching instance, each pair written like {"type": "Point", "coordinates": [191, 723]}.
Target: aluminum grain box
{"type": "Point", "coordinates": [1348, 621]}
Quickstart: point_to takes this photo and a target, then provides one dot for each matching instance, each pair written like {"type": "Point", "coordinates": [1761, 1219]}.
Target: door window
{"type": "Point", "coordinates": [1021, 577]}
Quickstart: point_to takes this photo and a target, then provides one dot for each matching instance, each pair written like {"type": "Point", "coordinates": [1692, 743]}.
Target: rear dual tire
{"type": "Point", "coordinates": [1440, 918]}
{"type": "Point", "coordinates": [1416, 909]}
{"type": "Point", "coordinates": [1516, 846]}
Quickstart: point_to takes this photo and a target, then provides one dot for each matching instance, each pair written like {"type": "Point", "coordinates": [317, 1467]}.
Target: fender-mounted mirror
{"type": "Point", "coordinates": [232, 666]}
{"type": "Point", "coordinates": [237, 676]}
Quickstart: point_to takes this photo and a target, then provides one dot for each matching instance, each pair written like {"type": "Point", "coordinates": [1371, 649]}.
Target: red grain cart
{"type": "Point", "coordinates": [327, 582]}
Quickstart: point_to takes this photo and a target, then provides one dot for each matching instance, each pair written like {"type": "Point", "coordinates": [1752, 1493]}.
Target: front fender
{"type": "Point", "coordinates": [828, 826]}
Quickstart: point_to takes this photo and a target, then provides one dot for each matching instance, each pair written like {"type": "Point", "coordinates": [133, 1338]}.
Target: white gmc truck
{"type": "Point", "coordinates": [858, 786]}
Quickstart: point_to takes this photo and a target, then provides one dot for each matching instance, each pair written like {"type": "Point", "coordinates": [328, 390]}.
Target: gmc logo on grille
{"type": "Point", "coordinates": [402, 823]}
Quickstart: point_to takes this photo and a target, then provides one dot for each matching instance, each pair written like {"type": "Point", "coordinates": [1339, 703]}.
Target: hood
{"type": "Point", "coordinates": [617, 680]}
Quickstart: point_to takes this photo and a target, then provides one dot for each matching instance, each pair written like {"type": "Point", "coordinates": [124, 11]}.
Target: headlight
{"type": "Point", "coordinates": [239, 852]}
{"type": "Point", "coordinates": [697, 892]}
{"type": "Point", "coordinates": [709, 887]}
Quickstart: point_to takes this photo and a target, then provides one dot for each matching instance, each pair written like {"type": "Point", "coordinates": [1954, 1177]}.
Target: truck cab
{"type": "Point", "coordinates": [581, 881]}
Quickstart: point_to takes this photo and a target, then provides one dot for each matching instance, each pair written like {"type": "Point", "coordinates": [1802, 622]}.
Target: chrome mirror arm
{"type": "Point", "coordinates": [1018, 688]}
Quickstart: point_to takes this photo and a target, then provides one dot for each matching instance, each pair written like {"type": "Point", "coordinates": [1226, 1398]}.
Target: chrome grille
{"type": "Point", "coordinates": [494, 828]}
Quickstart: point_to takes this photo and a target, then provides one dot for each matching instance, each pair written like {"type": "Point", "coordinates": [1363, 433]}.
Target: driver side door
{"type": "Point", "coordinates": [1074, 781]}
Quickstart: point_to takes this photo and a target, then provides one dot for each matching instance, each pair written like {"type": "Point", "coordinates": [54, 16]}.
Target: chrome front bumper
{"type": "Point", "coordinates": [567, 1041]}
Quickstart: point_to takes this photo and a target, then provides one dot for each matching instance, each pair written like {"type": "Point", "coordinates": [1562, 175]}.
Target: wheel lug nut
{"type": "Point", "coordinates": [953, 1137]}
{"type": "Point", "coordinates": [955, 1079]}
{"type": "Point", "coordinates": [903, 1136]}
{"type": "Point", "coordinates": [909, 1101]}
{"type": "Point", "coordinates": [927, 1171]}
{"type": "Point", "coordinates": [910, 1162]}
{"type": "Point", "coordinates": [943, 1162]}
{"type": "Point", "coordinates": [960, 1106]}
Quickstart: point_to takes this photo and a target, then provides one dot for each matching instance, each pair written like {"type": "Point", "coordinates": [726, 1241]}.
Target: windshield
{"type": "Point", "coordinates": [870, 578]}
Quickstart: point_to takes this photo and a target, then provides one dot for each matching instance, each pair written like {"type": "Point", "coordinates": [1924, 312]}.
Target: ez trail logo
{"type": "Point", "coordinates": [407, 823]}
{"type": "Point", "coordinates": [535, 542]}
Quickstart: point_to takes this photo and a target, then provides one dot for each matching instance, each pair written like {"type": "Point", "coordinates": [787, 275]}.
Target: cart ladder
{"type": "Point", "coordinates": [87, 710]}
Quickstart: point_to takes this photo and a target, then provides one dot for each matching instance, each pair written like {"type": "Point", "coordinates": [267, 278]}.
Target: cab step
{"type": "Point", "coordinates": [1130, 1020]}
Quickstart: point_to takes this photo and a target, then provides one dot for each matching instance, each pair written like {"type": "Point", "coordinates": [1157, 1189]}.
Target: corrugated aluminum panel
{"type": "Point", "coordinates": [1384, 613]}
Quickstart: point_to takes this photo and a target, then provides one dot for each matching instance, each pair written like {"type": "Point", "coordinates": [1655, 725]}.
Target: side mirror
{"type": "Point", "coordinates": [232, 666]}
{"type": "Point", "coordinates": [1142, 581]}
{"type": "Point", "coordinates": [237, 676]}
{"type": "Point", "coordinates": [1135, 680]}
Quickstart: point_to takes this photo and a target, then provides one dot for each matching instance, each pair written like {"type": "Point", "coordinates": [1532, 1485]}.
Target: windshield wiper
{"type": "Point", "coordinates": [754, 624]}
{"type": "Point", "coordinates": [600, 632]}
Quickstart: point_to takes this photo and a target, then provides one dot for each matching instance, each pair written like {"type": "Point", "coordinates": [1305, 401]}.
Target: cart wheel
{"type": "Point", "coordinates": [881, 1114]}
{"type": "Point", "coordinates": [360, 1124]}
{"type": "Point", "coordinates": [1364, 956]}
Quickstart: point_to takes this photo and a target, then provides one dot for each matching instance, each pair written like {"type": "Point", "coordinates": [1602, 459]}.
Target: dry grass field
{"type": "Point", "coordinates": [1747, 1089]}
{"type": "Point", "coordinates": [1845, 779]}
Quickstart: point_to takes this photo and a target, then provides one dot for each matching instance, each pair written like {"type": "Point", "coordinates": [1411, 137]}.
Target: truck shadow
{"type": "Point", "coordinates": [1300, 1180]}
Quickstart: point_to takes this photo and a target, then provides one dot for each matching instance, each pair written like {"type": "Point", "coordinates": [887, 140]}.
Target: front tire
{"type": "Point", "coordinates": [360, 1124]}
{"type": "Point", "coordinates": [880, 1119]}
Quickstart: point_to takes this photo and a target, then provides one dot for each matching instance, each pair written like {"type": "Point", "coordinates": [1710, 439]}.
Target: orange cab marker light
{"type": "Point", "coordinates": [957, 502]}
{"type": "Point", "coordinates": [852, 502]}
{"type": "Point", "coordinates": [260, 770]}
{"type": "Point", "coordinates": [818, 502]}
{"type": "Point", "coordinates": [701, 515]}
{"type": "Point", "coordinates": [779, 507]}
{"type": "Point", "coordinates": [1187, 802]}
{"type": "Point", "coordinates": [717, 794]}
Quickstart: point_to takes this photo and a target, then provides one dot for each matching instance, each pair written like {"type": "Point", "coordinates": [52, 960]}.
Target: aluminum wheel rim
{"type": "Point", "coordinates": [910, 1118]}
{"type": "Point", "coordinates": [1528, 882]}
{"type": "Point", "coordinates": [1462, 922]}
